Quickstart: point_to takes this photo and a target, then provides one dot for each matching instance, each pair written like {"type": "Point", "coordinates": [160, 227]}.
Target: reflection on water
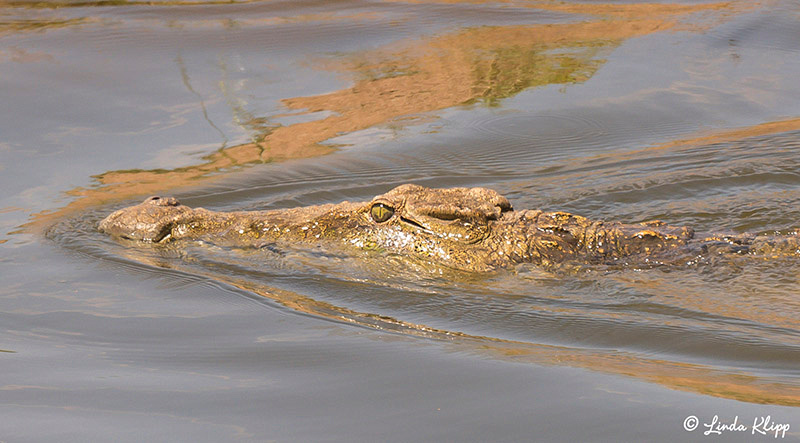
{"type": "Point", "coordinates": [14, 26]}
{"type": "Point", "coordinates": [476, 65]}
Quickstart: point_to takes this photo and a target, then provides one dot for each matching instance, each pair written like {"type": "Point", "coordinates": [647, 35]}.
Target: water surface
{"type": "Point", "coordinates": [627, 111]}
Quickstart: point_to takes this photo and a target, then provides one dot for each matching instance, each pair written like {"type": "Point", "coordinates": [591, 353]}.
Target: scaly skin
{"type": "Point", "coordinates": [472, 229]}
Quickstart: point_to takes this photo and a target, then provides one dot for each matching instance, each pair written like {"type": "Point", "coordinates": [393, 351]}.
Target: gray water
{"type": "Point", "coordinates": [629, 111]}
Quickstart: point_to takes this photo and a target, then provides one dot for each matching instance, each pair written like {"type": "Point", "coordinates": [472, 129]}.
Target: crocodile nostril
{"type": "Point", "coordinates": [162, 201]}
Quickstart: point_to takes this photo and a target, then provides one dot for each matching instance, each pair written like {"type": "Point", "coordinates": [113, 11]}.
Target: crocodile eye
{"type": "Point", "coordinates": [380, 212]}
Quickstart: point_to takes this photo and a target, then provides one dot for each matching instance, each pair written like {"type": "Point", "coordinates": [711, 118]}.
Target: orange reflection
{"type": "Point", "coordinates": [697, 378]}
{"type": "Point", "coordinates": [674, 375]}
{"type": "Point", "coordinates": [484, 64]}
{"type": "Point", "coordinates": [730, 135]}
{"type": "Point", "coordinates": [15, 26]}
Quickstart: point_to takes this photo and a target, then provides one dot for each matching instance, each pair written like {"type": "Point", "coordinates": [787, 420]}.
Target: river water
{"type": "Point", "coordinates": [687, 112]}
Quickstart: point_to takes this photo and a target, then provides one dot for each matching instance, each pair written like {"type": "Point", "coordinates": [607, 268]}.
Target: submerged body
{"type": "Point", "coordinates": [472, 229]}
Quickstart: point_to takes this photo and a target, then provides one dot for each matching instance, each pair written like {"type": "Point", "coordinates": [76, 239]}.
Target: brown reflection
{"type": "Point", "coordinates": [731, 135]}
{"type": "Point", "coordinates": [682, 376]}
{"type": "Point", "coordinates": [476, 65]}
{"type": "Point", "coordinates": [12, 26]}
{"type": "Point", "coordinates": [674, 375]}
{"type": "Point", "coordinates": [671, 374]}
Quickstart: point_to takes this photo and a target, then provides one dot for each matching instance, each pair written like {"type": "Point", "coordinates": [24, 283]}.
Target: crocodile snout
{"type": "Point", "coordinates": [150, 221]}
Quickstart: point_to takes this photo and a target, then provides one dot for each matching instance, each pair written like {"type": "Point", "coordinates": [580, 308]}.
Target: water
{"type": "Point", "coordinates": [629, 112]}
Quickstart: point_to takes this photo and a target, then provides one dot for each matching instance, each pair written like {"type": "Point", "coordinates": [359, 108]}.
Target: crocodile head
{"type": "Point", "coordinates": [450, 226]}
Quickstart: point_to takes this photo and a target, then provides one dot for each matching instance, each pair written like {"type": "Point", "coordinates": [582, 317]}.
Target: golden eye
{"type": "Point", "coordinates": [380, 212]}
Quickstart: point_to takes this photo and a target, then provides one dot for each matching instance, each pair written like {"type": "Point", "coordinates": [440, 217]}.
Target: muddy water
{"type": "Point", "coordinates": [629, 111]}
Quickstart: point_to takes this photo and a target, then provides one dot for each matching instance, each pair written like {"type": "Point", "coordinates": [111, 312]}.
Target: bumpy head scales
{"type": "Point", "coordinates": [460, 214]}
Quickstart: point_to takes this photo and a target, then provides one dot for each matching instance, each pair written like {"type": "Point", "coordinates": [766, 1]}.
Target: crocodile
{"type": "Point", "coordinates": [470, 229]}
